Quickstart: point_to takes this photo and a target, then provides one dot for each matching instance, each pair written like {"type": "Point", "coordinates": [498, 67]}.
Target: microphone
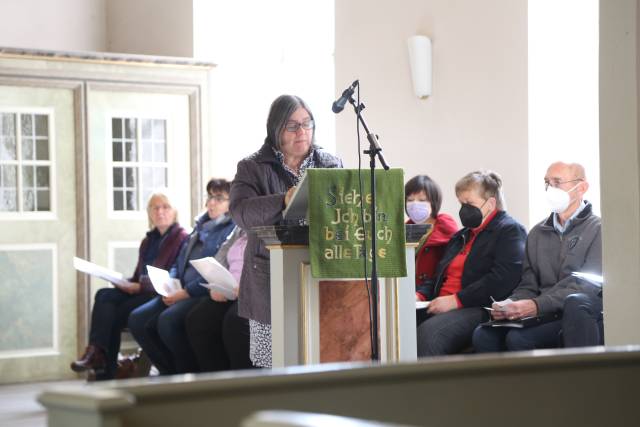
{"type": "Point", "coordinates": [339, 104]}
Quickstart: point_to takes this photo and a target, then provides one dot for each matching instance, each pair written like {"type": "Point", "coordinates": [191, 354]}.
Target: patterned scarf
{"type": "Point", "coordinates": [307, 163]}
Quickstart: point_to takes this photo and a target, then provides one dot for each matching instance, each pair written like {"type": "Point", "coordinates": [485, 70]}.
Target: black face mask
{"type": "Point", "coordinates": [470, 216]}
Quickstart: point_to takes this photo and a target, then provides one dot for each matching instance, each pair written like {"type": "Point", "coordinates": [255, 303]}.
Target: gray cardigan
{"type": "Point", "coordinates": [257, 199]}
{"type": "Point", "coordinates": [551, 257]}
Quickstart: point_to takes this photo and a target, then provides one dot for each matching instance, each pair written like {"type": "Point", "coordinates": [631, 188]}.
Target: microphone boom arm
{"type": "Point", "coordinates": [374, 144]}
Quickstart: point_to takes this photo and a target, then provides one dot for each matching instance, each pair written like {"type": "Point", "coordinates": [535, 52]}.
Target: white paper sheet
{"type": "Point", "coordinates": [217, 276]}
{"type": "Point", "coordinates": [502, 303]}
{"type": "Point", "coordinates": [162, 282]}
{"type": "Point", "coordinates": [594, 279]}
{"type": "Point", "coordinates": [422, 304]}
{"type": "Point", "coordinates": [99, 272]}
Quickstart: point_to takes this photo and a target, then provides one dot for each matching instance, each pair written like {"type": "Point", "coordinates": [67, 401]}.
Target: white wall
{"type": "Point", "coordinates": [477, 115]}
{"type": "Point", "coordinates": [563, 94]}
{"type": "Point", "coordinates": [262, 50]}
{"type": "Point", "coordinates": [150, 27]}
{"type": "Point", "coordinates": [69, 25]}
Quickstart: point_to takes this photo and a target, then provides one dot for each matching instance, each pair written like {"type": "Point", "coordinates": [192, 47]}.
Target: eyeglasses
{"type": "Point", "coordinates": [292, 126]}
{"type": "Point", "coordinates": [217, 197]}
{"type": "Point", "coordinates": [157, 208]}
{"type": "Point", "coordinates": [555, 183]}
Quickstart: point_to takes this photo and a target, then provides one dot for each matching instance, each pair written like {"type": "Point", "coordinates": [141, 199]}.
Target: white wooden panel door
{"type": "Point", "coordinates": [38, 233]}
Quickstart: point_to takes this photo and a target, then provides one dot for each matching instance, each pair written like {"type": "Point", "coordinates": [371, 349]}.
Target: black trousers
{"type": "Point", "coordinates": [447, 333]}
{"type": "Point", "coordinates": [218, 337]}
{"type": "Point", "coordinates": [160, 331]}
{"type": "Point", "coordinates": [109, 317]}
{"type": "Point", "coordinates": [582, 322]}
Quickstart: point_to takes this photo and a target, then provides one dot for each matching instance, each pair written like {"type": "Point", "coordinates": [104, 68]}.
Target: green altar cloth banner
{"type": "Point", "coordinates": [337, 238]}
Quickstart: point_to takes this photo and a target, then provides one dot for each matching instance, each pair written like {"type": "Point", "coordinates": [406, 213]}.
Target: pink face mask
{"type": "Point", "coordinates": [418, 211]}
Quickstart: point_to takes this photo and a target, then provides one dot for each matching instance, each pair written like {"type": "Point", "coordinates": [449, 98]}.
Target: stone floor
{"type": "Point", "coordinates": [18, 405]}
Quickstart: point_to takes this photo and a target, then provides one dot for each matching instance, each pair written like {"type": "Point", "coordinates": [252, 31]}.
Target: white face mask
{"type": "Point", "coordinates": [418, 211]}
{"type": "Point", "coordinates": [558, 199]}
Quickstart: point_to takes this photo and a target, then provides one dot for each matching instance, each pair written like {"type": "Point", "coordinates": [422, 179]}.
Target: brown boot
{"type": "Point", "coordinates": [93, 358]}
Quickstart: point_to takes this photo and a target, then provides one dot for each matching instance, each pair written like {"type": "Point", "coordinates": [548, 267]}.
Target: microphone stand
{"type": "Point", "coordinates": [375, 150]}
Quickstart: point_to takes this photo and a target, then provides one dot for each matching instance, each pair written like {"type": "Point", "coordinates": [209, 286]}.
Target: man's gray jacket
{"type": "Point", "coordinates": [551, 257]}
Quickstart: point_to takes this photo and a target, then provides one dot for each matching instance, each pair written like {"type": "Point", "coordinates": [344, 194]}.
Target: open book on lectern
{"type": "Point", "coordinates": [297, 211]}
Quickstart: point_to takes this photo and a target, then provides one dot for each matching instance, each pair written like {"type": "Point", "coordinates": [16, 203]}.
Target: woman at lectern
{"type": "Point", "coordinates": [112, 306]}
{"type": "Point", "coordinates": [482, 261]}
{"type": "Point", "coordinates": [423, 198]}
{"type": "Point", "coordinates": [261, 190]}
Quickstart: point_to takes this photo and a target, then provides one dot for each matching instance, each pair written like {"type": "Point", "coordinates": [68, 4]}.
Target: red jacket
{"type": "Point", "coordinates": [430, 252]}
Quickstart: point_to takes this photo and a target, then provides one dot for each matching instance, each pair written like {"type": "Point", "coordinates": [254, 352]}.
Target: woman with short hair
{"type": "Point", "coordinates": [482, 261]}
{"type": "Point", "coordinates": [423, 199]}
{"type": "Point", "coordinates": [112, 306]}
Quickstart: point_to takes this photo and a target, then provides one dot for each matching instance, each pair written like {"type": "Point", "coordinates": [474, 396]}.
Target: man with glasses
{"type": "Point", "coordinates": [569, 240]}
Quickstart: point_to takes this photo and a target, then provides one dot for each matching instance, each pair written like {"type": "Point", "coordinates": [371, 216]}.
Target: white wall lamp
{"type": "Point", "coordinates": [420, 62]}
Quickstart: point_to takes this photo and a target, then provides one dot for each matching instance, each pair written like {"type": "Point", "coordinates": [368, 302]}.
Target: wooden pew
{"type": "Point", "coordinates": [571, 387]}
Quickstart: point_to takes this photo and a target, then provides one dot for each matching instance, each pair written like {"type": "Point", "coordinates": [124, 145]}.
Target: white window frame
{"type": "Point", "coordinates": [52, 214]}
{"type": "Point", "coordinates": [110, 164]}
{"type": "Point", "coordinates": [55, 327]}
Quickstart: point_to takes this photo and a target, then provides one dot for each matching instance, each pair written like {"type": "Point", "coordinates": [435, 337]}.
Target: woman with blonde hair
{"type": "Point", "coordinates": [482, 261]}
{"type": "Point", "coordinates": [112, 306]}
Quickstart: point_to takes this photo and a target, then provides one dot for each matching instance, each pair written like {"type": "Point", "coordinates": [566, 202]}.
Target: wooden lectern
{"type": "Point", "coordinates": [295, 320]}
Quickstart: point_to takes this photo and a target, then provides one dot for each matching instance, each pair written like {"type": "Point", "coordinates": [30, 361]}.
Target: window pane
{"type": "Point", "coordinates": [8, 177]}
{"type": "Point", "coordinates": [117, 177]}
{"type": "Point", "coordinates": [117, 151]}
{"type": "Point", "coordinates": [42, 149]}
{"type": "Point", "coordinates": [8, 124]}
{"type": "Point", "coordinates": [130, 152]}
{"type": "Point", "coordinates": [27, 176]}
{"type": "Point", "coordinates": [147, 151]}
{"type": "Point", "coordinates": [159, 177]}
{"type": "Point", "coordinates": [131, 201]}
{"type": "Point", "coordinates": [146, 128]}
{"type": "Point", "coordinates": [28, 200]}
{"type": "Point", "coordinates": [158, 129]}
{"type": "Point", "coordinates": [130, 175]}
{"type": "Point", "coordinates": [8, 200]}
{"type": "Point", "coordinates": [159, 152]}
{"type": "Point", "coordinates": [27, 124]}
{"type": "Point", "coordinates": [27, 149]}
{"type": "Point", "coordinates": [7, 148]}
{"type": "Point", "coordinates": [147, 177]}
{"type": "Point", "coordinates": [42, 125]}
{"type": "Point", "coordinates": [42, 176]}
{"type": "Point", "coordinates": [130, 128]}
{"type": "Point", "coordinates": [116, 128]}
{"type": "Point", "coordinates": [118, 204]}
{"type": "Point", "coordinates": [43, 200]}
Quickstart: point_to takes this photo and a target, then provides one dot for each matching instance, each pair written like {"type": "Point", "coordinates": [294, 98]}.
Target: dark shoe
{"type": "Point", "coordinates": [126, 369]}
{"type": "Point", "coordinates": [93, 358]}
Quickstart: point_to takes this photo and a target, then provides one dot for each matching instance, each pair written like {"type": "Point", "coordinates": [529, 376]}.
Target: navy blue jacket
{"type": "Point", "coordinates": [493, 266]}
{"type": "Point", "coordinates": [210, 247]}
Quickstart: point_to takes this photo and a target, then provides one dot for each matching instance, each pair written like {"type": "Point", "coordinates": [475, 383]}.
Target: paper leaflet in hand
{"type": "Point", "coordinates": [594, 279]}
{"type": "Point", "coordinates": [162, 282]}
{"type": "Point", "coordinates": [218, 278]}
{"type": "Point", "coordinates": [99, 272]}
{"type": "Point", "coordinates": [500, 304]}
{"type": "Point", "coordinates": [422, 304]}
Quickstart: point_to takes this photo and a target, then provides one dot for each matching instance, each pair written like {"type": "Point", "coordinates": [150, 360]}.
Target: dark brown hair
{"type": "Point", "coordinates": [421, 183]}
{"type": "Point", "coordinates": [218, 185]}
